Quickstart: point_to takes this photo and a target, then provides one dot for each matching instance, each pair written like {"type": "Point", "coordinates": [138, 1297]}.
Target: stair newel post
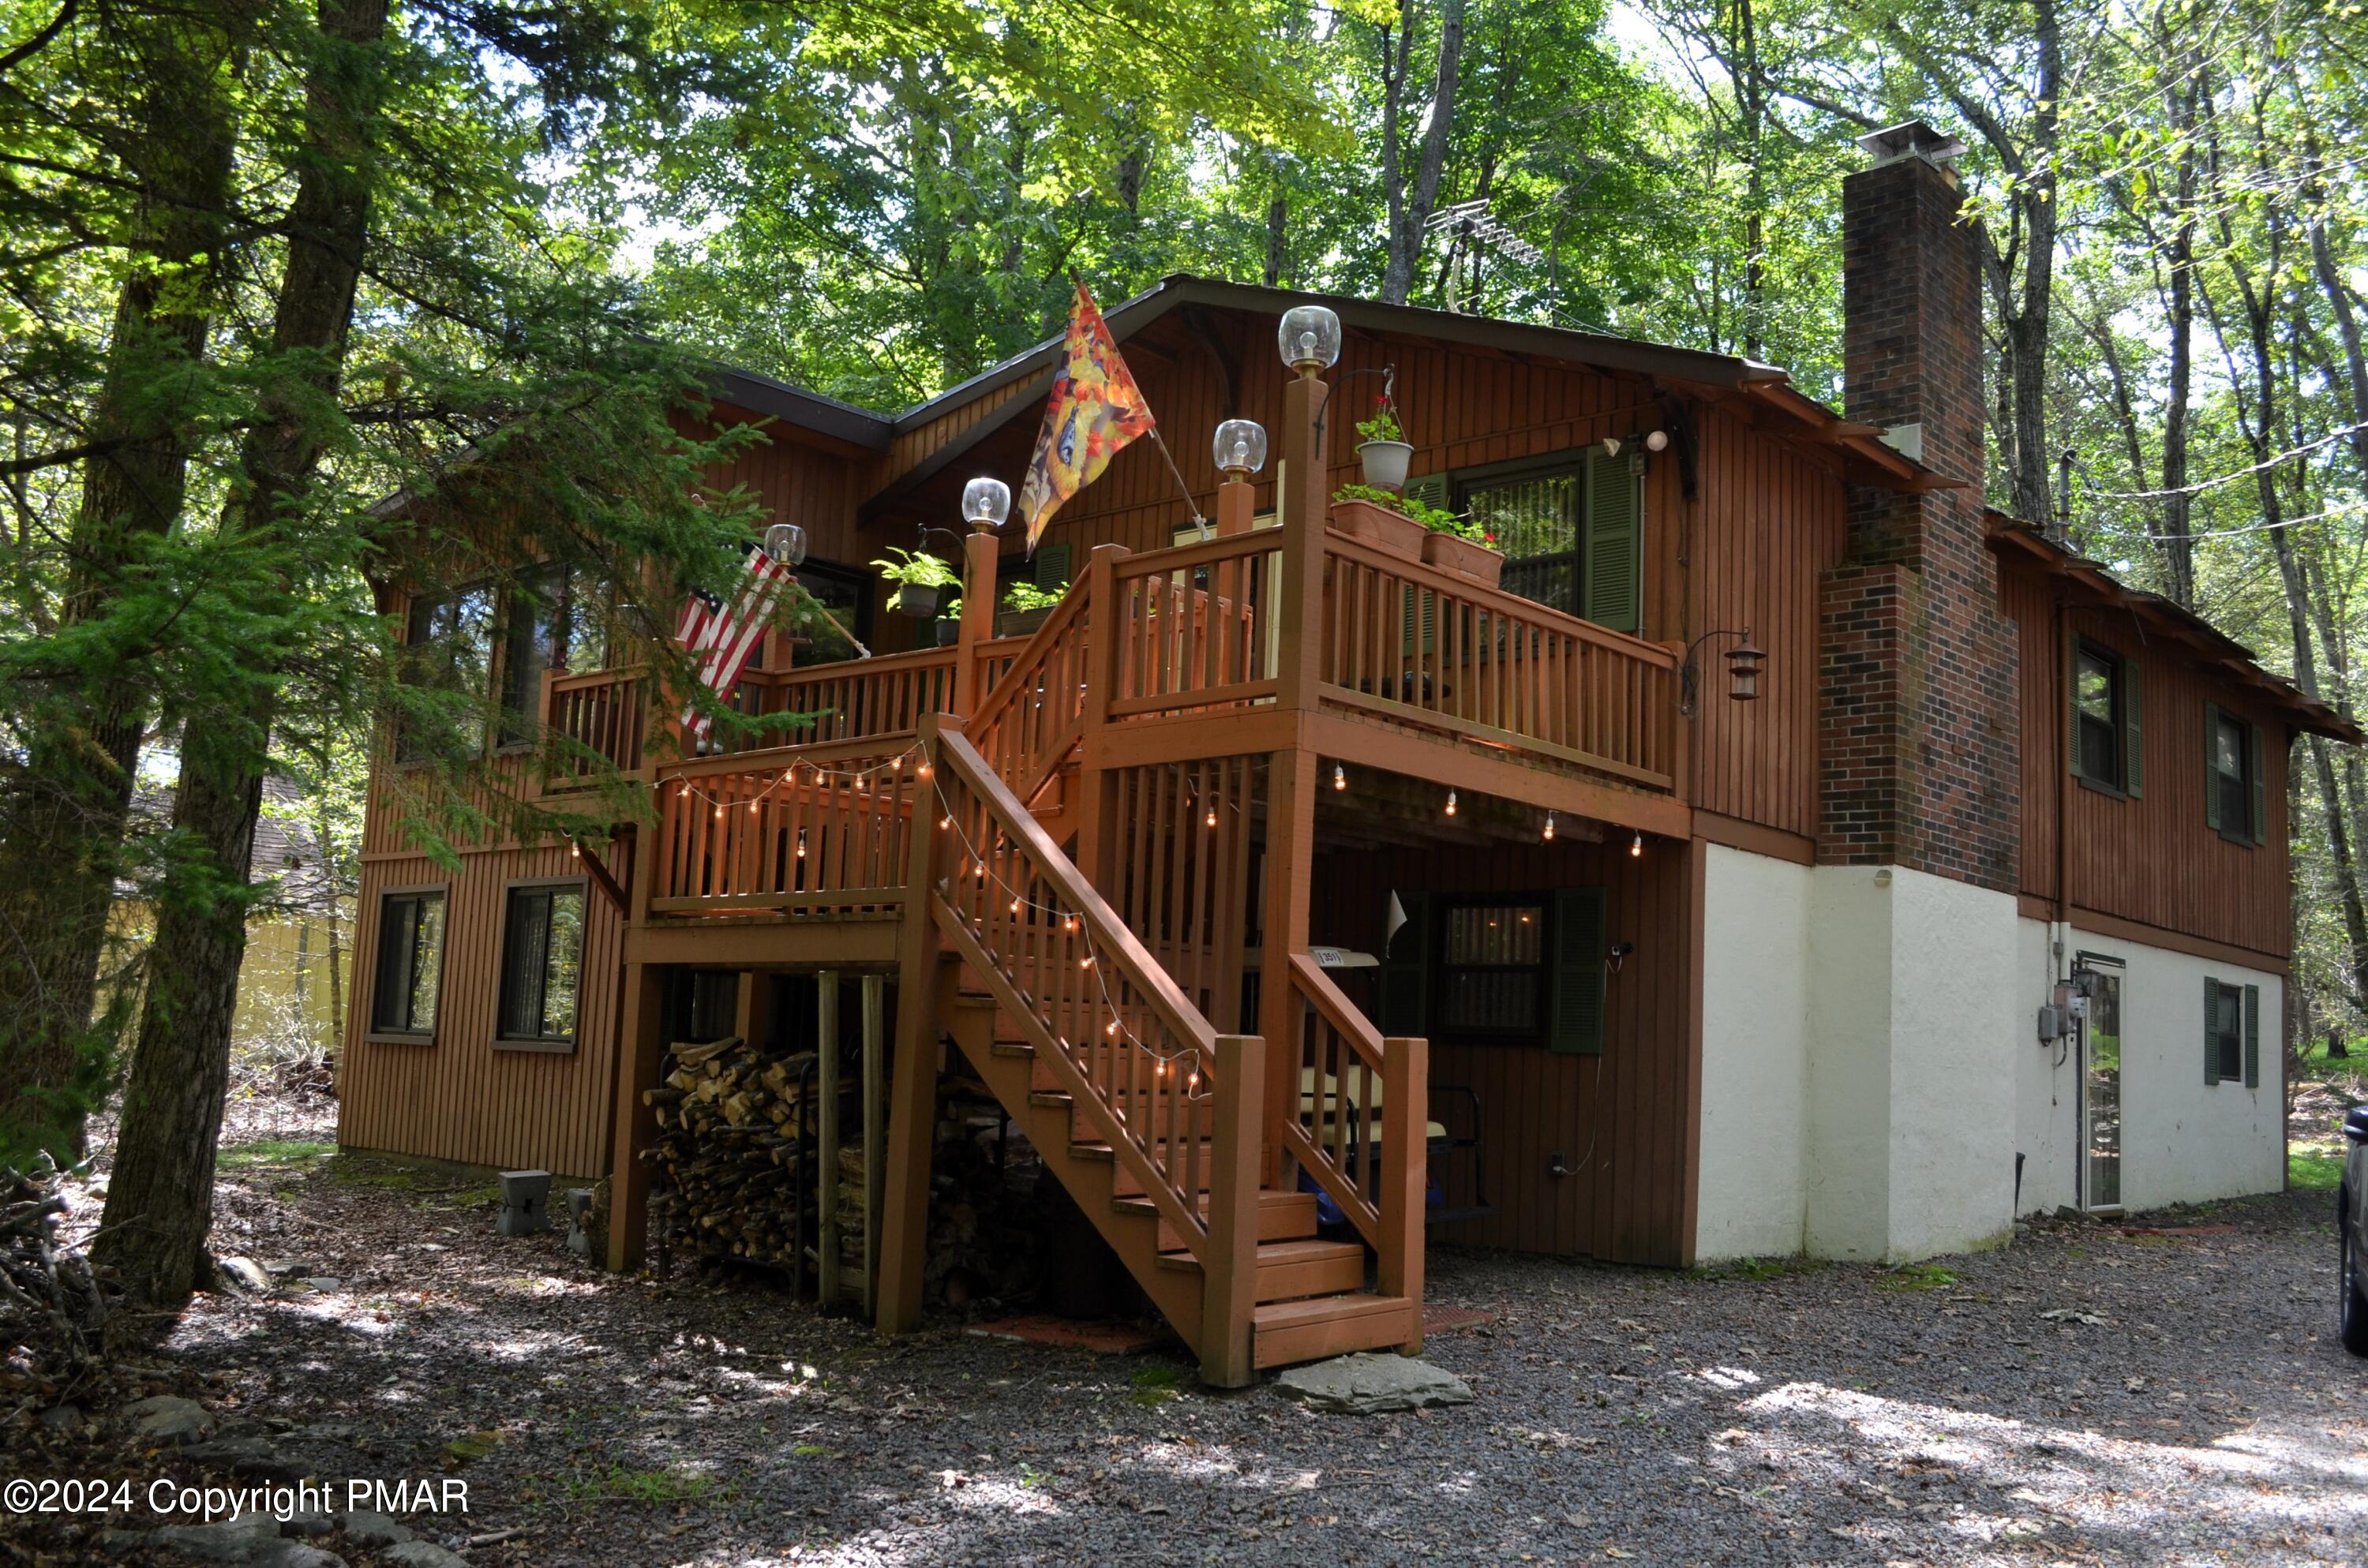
{"type": "Point", "coordinates": [1290, 866]}
{"type": "Point", "coordinates": [1406, 1173]}
{"type": "Point", "coordinates": [913, 1085]}
{"type": "Point", "coordinates": [1229, 1267]}
{"type": "Point", "coordinates": [980, 554]}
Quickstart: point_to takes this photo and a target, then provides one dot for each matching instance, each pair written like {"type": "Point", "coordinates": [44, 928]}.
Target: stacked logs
{"type": "Point", "coordinates": [728, 1140]}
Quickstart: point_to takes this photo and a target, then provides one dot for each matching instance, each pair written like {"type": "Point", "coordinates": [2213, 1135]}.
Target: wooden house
{"type": "Point", "coordinates": [1919, 935]}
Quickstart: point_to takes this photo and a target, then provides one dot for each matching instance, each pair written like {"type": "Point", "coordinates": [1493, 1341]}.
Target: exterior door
{"type": "Point", "coordinates": [2100, 1086]}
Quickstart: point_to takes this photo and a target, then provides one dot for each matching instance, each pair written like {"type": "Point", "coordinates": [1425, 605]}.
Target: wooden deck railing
{"type": "Point", "coordinates": [1193, 626]}
{"type": "Point", "coordinates": [1361, 1100]}
{"type": "Point", "coordinates": [605, 711]}
{"type": "Point", "coordinates": [1140, 1063]}
{"type": "Point", "coordinates": [826, 831]}
{"type": "Point", "coordinates": [1414, 644]}
{"type": "Point", "coordinates": [1029, 722]}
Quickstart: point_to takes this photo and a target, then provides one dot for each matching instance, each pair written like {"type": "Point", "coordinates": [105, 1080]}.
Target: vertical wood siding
{"type": "Point", "coordinates": [1622, 1120]}
{"type": "Point", "coordinates": [1768, 520]}
{"type": "Point", "coordinates": [2152, 860]}
{"type": "Point", "coordinates": [460, 1098]}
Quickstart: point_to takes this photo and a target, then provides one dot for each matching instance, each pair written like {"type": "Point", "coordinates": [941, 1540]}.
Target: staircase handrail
{"type": "Point", "coordinates": [1094, 974]}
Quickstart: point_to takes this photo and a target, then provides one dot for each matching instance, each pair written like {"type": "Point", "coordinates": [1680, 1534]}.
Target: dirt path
{"type": "Point", "coordinates": [2084, 1397]}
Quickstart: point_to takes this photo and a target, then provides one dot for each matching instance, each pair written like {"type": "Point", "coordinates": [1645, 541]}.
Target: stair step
{"type": "Point", "coordinates": [1284, 1333]}
{"type": "Point", "coordinates": [1282, 1216]}
{"type": "Point", "coordinates": [1289, 1270]}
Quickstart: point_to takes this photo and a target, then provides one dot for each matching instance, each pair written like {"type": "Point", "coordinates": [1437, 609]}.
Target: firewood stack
{"type": "Point", "coordinates": [728, 1136]}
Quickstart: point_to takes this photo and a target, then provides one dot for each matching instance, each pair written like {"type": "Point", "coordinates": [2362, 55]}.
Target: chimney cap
{"type": "Point", "coordinates": [1912, 139]}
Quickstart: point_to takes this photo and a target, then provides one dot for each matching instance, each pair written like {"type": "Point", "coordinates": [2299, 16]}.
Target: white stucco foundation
{"type": "Point", "coordinates": [2183, 1141]}
{"type": "Point", "coordinates": [1859, 1093]}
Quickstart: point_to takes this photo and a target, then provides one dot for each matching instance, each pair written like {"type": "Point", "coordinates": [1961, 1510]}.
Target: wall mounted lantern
{"type": "Point", "coordinates": [1743, 663]}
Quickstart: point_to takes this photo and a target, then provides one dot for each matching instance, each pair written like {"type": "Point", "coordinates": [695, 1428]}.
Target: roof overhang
{"type": "Point", "coordinates": [1865, 457]}
{"type": "Point", "coordinates": [2012, 540]}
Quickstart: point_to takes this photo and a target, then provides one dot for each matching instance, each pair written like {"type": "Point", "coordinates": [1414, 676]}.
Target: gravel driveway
{"type": "Point", "coordinates": [2086, 1396]}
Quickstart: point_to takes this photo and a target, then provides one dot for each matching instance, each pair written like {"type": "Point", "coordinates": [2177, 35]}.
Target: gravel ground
{"type": "Point", "coordinates": [2085, 1397]}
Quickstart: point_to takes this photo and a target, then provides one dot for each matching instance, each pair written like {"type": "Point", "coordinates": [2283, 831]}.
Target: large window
{"type": "Point", "coordinates": [1492, 972]}
{"type": "Point", "coordinates": [542, 962]}
{"type": "Point", "coordinates": [450, 648]}
{"type": "Point", "coordinates": [1534, 518]}
{"type": "Point", "coordinates": [410, 963]}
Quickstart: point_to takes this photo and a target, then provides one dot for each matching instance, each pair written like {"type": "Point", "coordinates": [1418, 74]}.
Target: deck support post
{"type": "Point", "coordinates": [641, 1051]}
{"type": "Point", "coordinates": [752, 1017]}
{"type": "Point", "coordinates": [1405, 1173]}
{"type": "Point", "coordinates": [827, 1288]}
{"type": "Point", "coordinates": [1229, 1270]}
{"type": "Point", "coordinates": [1290, 868]}
{"type": "Point", "coordinates": [875, 1123]}
{"type": "Point", "coordinates": [913, 1087]}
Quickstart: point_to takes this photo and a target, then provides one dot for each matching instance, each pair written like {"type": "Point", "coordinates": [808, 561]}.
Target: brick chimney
{"type": "Point", "coordinates": [1918, 746]}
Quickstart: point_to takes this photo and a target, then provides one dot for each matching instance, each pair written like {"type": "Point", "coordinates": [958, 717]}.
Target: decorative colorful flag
{"type": "Point", "coordinates": [725, 640]}
{"type": "Point", "coordinates": [1096, 408]}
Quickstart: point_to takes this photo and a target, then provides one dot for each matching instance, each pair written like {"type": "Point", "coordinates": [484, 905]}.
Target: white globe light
{"type": "Point", "coordinates": [786, 543]}
{"type": "Point", "coordinates": [985, 502]}
{"type": "Point", "coordinates": [1309, 337]}
{"type": "Point", "coordinates": [1240, 447]}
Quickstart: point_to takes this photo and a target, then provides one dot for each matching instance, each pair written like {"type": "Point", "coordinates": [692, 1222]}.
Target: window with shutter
{"type": "Point", "coordinates": [2233, 801]}
{"type": "Point", "coordinates": [1052, 566]}
{"type": "Point", "coordinates": [2225, 1029]}
{"type": "Point", "coordinates": [408, 968]}
{"type": "Point", "coordinates": [1578, 949]}
{"type": "Point", "coordinates": [1615, 557]}
{"type": "Point", "coordinates": [1492, 972]}
{"type": "Point", "coordinates": [1534, 516]}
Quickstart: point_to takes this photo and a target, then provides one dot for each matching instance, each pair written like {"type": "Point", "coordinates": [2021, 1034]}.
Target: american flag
{"type": "Point", "coordinates": [724, 640]}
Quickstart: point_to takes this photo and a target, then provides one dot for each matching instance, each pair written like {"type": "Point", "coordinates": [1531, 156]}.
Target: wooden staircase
{"type": "Point", "coordinates": [1156, 1124]}
{"type": "Point", "coordinates": [1310, 1297]}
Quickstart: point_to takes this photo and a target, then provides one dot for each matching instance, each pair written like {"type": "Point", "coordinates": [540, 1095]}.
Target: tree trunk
{"type": "Point", "coordinates": [160, 1202]}
{"type": "Point", "coordinates": [2177, 505]}
{"type": "Point", "coordinates": [65, 802]}
{"type": "Point", "coordinates": [1410, 211]}
{"type": "Point", "coordinates": [1277, 235]}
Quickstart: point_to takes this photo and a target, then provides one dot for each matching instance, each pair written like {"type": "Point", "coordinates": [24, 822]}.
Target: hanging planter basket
{"type": "Point", "coordinates": [923, 602]}
{"type": "Point", "coordinates": [1385, 463]}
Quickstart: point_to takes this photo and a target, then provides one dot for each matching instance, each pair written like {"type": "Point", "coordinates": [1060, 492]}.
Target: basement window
{"type": "Point", "coordinates": [1492, 971]}
{"type": "Point", "coordinates": [410, 964]}
{"type": "Point", "coordinates": [542, 965]}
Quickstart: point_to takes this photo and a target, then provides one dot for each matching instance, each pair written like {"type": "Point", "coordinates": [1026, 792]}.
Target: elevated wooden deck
{"type": "Point", "coordinates": [1086, 854]}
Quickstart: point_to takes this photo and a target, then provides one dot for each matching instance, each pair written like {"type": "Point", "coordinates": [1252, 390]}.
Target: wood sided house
{"type": "Point", "coordinates": [1979, 907]}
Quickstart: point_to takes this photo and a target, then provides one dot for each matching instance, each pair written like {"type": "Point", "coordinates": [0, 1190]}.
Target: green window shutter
{"type": "Point", "coordinates": [1430, 489]}
{"type": "Point", "coordinates": [1053, 566]}
{"type": "Point", "coordinates": [2132, 736]}
{"type": "Point", "coordinates": [1405, 971]}
{"type": "Point", "coordinates": [2252, 1036]}
{"type": "Point", "coordinates": [2260, 788]}
{"type": "Point", "coordinates": [2211, 1030]}
{"type": "Point", "coordinates": [1578, 947]}
{"type": "Point", "coordinates": [1613, 548]}
{"type": "Point", "coordinates": [2072, 703]}
{"type": "Point", "coordinates": [2211, 765]}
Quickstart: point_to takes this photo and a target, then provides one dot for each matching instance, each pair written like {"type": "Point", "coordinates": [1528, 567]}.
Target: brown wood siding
{"type": "Point", "coordinates": [2152, 860]}
{"type": "Point", "coordinates": [1620, 1121]}
{"type": "Point", "coordinates": [460, 1098]}
{"type": "Point", "coordinates": [909, 448]}
{"type": "Point", "coordinates": [1769, 518]}
{"type": "Point", "coordinates": [797, 484]}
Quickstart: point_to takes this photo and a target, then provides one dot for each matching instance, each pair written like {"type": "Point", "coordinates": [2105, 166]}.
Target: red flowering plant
{"type": "Point", "coordinates": [1383, 424]}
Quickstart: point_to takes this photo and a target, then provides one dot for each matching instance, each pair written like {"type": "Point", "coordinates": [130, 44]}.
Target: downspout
{"type": "Point", "coordinates": [2059, 964]}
